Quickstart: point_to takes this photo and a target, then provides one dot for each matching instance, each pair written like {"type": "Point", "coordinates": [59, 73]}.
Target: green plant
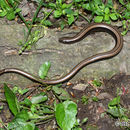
{"type": "Point", "coordinates": [85, 100]}
{"type": "Point", "coordinates": [116, 110]}
{"type": "Point", "coordinates": [96, 83]}
{"type": "Point", "coordinates": [61, 9]}
{"type": "Point", "coordinates": [34, 109]}
{"type": "Point", "coordinates": [67, 13]}
{"type": "Point", "coordinates": [6, 9]}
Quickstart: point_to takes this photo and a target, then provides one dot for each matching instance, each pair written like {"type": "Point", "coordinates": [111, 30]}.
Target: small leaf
{"type": "Point", "coordinates": [70, 19]}
{"type": "Point", "coordinates": [113, 16]}
{"type": "Point", "coordinates": [57, 13]}
{"type": "Point", "coordinates": [39, 98]}
{"type": "Point", "coordinates": [96, 83]}
{"type": "Point", "coordinates": [10, 14]}
{"type": "Point", "coordinates": [77, 1]}
{"type": "Point", "coordinates": [62, 94]}
{"type": "Point", "coordinates": [47, 23]}
{"type": "Point", "coordinates": [17, 10]}
{"type": "Point", "coordinates": [86, 6]}
{"type": "Point", "coordinates": [95, 99]}
{"type": "Point", "coordinates": [52, 5]}
{"type": "Point", "coordinates": [3, 13]}
{"type": "Point", "coordinates": [98, 19]}
{"type": "Point", "coordinates": [69, 12]}
{"type": "Point", "coordinates": [11, 100]}
{"type": "Point", "coordinates": [66, 114]}
{"type": "Point", "coordinates": [64, 6]}
{"type": "Point", "coordinates": [26, 102]}
{"type": "Point", "coordinates": [44, 69]}
{"type": "Point", "coordinates": [114, 102]}
{"type": "Point", "coordinates": [23, 115]}
{"type": "Point", "coordinates": [62, 25]}
{"type": "Point", "coordinates": [107, 10]}
{"type": "Point", "coordinates": [106, 18]}
{"type": "Point", "coordinates": [122, 2]}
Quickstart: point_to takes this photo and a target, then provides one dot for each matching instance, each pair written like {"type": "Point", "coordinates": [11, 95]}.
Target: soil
{"type": "Point", "coordinates": [95, 111]}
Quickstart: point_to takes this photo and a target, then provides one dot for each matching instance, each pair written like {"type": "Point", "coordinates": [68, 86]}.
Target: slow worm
{"type": "Point", "coordinates": [108, 28]}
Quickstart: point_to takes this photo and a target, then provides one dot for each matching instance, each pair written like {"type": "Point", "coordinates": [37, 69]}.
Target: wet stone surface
{"type": "Point", "coordinates": [63, 57]}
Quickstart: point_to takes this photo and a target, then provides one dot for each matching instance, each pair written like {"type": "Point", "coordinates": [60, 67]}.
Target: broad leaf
{"type": "Point", "coordinates": [11, 100]}
{"type": "Point", "coordinates": [98, 19]}
{"type": "Point", "coordinates": [66, 114]}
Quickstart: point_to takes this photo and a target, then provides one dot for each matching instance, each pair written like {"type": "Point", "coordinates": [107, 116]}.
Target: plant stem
{"type": "Point", "coordinates": [30, 28]}
{"type": "Point", "coordinates": [48, 15]}
{"type": "Point", "coordinates": [3, 125]}
{"type": "Point", "coordinates": [44, 118]}
{"type": "Point", "coordinates": [46, 106]}
{"type": "Point", "coordinates": [85, 18]}
{"type": "Point", "coordinates": [22, 18]}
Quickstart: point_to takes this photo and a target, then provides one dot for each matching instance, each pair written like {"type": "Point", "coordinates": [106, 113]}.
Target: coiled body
{"type": "Point", "coordinates": [108, 28]}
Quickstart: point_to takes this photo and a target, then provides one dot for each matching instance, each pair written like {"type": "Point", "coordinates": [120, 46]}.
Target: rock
{"type": "Point", "coordinates": [63, 57]}
{"type": "Point", "coordinates": [80, 87]}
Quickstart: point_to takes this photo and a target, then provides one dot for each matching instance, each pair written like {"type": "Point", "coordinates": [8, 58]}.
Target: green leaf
{"type": "Point", "coordinates": [109, 3]}
{"type": "Point", "coordinates": [64, 6]}
{"type": "Point", "coordinates": [95, 99]}
{"type": "Point", "coordinates": [122, 2]}
{"type": "Point", "coordinates": [127, 15]}
{"type": "Point", "coordinates": [113, 16]}
{"type": "Point", "coordinates": [26, 102]}
{"type": "Point", "coordinates": [39, 98]}
{"type": "Point", "coordinates": [69, 12]}
{"type": "Point", "coordinates": [62, 25]}
{"type": "Point", "coordinates": [128, 6]}
{"type": "Point", "coordinates": [17, 10]}
{"type": "Point", "coordinates": [20, 124]}
{"type": "Point", "coordinates": [107, 10]}
{"type": "Point", "coordinates": [106, 17]}
{"type": "Point", "coordinates": [66, 114]}
{"type": "Point", "coordinates": [10, 14]}
{"type": "Point", "coordinates": [47, 23]}
{"type": "Point", "coordinates": [62, 94]}
{"type": "Point", "coordinates": [52, 5]}
{"type": "Point", "coordinates": [114, 102]}
{"type": "Point", "coordinates": [77, 1]}
{"type": "Point", "coordinates": [33, 115]}
{"type": "Point", "coordinates": [44, 68]}
{"type": "Point", "coordinates": [3, 13]}
{"type": "Point", "coordinates": [70, 19]}
{"type": "Point", "coordinates": [96, 83]}
{"type": "Point", "coordinates": [116, 112]}
{"type": "Point", "coordinates": [57, 13]}
{"type": "Point", "coordinates": [97, 2]}
{"type": "Point", "coordinates": [98, 19]}
{"type": "Point", "coordinates": [23, 115]}
{"type": "Point", "coordinates": [86, 6]}
{"type": "Point", "coordinates": [11, 100]}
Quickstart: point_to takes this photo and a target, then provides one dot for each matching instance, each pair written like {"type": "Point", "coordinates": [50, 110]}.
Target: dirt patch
{"type": "Point", "coordinates": [95, 111]}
